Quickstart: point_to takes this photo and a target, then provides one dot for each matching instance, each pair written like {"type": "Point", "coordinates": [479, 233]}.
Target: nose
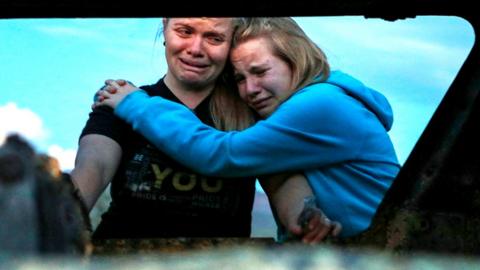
{"type": "Point", "coordinates": [196, 46]}
{"type": "Point", "coordinates": [252, 88]}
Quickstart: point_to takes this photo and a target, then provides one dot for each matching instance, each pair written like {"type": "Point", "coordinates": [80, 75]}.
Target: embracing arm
{"type": "Point", "coordinates": [95, 164]}
{"type": "Point", "coordinates": [286, 194]}
{"type": "Point", "coordinates": [298, 136]}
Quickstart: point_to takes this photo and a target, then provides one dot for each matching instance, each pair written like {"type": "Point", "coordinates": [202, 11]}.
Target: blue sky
{"type": "Point", "coordinates": [50, 68]}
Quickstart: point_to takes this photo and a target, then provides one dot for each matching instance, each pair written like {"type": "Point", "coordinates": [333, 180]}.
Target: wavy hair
{"type": "Point", "coordinates": [290, 43]}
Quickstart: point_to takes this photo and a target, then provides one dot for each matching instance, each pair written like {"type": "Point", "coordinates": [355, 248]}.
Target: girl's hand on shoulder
{"type": "Point", "coordinates": [113, 93]}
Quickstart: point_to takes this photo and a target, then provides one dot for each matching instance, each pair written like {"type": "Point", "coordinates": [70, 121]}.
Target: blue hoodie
{"type": "Point", "coordinates": [335, 132]}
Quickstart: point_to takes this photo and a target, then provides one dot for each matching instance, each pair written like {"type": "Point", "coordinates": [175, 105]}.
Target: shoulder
{"type": "Point", "coordinates": [321, 90]}
{"type": "Point", "coordinates": [317, 96]}
{"type": "Point", "coordinates": [151, 89]}
{"type": "Point", "coordinates": [319, 103]}
{"type": "Point", "coordinates": [159, 89]}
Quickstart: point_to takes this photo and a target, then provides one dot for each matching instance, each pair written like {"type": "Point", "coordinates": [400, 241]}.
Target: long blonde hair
{"type": "Point", "coordinates": [228, 110]}
{"type": "Point", "coordinates": [290, 43]}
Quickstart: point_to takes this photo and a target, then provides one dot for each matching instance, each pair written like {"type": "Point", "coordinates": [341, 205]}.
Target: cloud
{"type": "Point", "coordinates": [30, 125]}
{"type": "Point", "coordinates": [22, 121]}
{"type": "Point", "coordinates": [66, 157]}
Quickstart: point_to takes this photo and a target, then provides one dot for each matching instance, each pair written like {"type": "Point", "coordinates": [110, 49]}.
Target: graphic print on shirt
{"type": "Point", "coordinates": [152, 176]}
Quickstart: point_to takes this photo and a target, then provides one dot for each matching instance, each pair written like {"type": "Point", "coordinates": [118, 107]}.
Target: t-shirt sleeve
{"type": "Point", "coordinates": [102, 121]}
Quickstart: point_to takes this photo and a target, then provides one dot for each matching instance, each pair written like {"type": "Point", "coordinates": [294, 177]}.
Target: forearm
{"type": "Point", "coordinates": [272, 183]}
{"type": "Point", "coordinates": [264, 148]}
{"type": "Point", "coordinates": [286, 194]}
{"type": "Point", "coordinates": [95, 165]}
{"type": "Point", "coordinates": [89, 183]}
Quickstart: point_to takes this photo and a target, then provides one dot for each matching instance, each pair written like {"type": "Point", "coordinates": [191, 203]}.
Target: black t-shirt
{"type": "Point", "coordinates": [154, 196]}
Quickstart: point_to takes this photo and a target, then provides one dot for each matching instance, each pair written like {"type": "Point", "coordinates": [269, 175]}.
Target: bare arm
{"type": "Point", "coordinates": [95, 165]}
{"type": "Point", "coordinates": [286, 193]}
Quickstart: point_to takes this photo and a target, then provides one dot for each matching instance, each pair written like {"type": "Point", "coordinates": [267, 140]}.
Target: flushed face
{"type": "Point", "coordinates": [263, 79]}
{"type": "Point", "coordinates": [196, 50]}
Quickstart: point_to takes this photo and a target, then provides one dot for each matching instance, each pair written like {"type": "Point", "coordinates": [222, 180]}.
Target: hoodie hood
{"type": "Point", "coordinates": [373, 100]}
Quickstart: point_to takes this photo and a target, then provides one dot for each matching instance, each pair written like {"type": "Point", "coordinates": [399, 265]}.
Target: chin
{"type": "Point", "coordinates": [264, 114]}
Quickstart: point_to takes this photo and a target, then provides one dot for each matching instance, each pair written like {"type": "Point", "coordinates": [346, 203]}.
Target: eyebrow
{"type": "Point", "coordinates": [207, 33]}
{"type": "Point", "coordinates": [215, 33]}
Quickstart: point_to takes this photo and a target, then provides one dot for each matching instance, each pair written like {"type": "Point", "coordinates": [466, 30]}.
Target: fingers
{"type": "Point", "coordinates": [295, 229]}
{"type": "Point", "coordinates": [318, 228]}
{"type": "Point", "coordinates": [121, 82]}
{"type": "Point", "coordinates": [102, 95]}
{"type": "Point", "coordinates": [118, 82]}
{"type": "Point", "coordinates": [323, 232]}
{"type": "Point", "coordinates": [109, 81]}
{"type": "Point", "coordinates": [112, 86]}
{"type": "Point", "coordinates": [314, 222]}
{"type": "Point", "coordinates": [113, 92]}
{"type": "Point", "coordinates": [337, 228]}
{"type": "Point", "coordinates": [97, 103]}
{"type": "Point", "coordinates": [110, 89]}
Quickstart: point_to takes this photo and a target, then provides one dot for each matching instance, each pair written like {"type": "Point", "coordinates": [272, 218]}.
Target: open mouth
{"type": "Point", "coordinates": [193, 64]}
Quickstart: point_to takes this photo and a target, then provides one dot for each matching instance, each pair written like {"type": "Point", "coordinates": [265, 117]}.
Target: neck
{"type": "Point", "coordinates": [189, 95]}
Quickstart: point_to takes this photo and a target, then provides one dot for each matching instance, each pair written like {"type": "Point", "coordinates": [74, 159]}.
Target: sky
{"type": "Point", "coordinates": [51, 68]}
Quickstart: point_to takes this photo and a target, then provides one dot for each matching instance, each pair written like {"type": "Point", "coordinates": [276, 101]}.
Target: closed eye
{"type": "Point", "coordinates": [259, 72]}
{"type": "Point", "coordinates": [239, 78]}
{"type": "Point", "coordinates": [184, 31]}
{"type": "Point", "coordinates": [215, 39]}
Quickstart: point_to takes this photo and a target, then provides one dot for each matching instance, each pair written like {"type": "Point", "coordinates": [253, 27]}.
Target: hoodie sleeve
{"type": "Point", "coordinates": [310, 130]}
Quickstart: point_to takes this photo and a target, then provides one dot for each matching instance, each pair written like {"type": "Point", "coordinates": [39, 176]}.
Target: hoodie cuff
{"type": "Point", "coordinates": [132, 105]}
